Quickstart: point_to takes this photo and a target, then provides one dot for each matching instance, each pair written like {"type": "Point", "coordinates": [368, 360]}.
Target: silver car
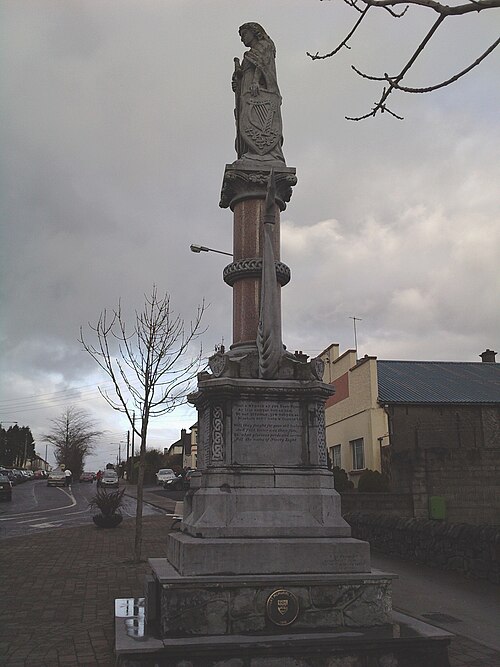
{"type": "Point", "coordinates": [109, 479]}
{"type": "Point", "coordinates": [164, 475]}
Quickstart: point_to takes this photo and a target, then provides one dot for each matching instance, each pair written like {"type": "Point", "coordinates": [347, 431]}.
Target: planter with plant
{"type": "Point", "coordinates": [109, 506]}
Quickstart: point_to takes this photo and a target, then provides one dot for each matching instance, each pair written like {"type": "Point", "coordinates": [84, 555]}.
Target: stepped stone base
{"type": "Point", "coordinates": [238, 556]}
{"type": "Point", "coordinates": [401, 642]}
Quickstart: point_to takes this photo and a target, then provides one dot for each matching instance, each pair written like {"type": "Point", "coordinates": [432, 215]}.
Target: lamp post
{"type": "Point", "coordinates": [202, 248]}
{"type": "Point", "coordinates": [119, 455]}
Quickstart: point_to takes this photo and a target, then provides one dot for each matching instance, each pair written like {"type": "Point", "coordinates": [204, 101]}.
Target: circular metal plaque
{"type": "Point", "coordinates": [282, 607]}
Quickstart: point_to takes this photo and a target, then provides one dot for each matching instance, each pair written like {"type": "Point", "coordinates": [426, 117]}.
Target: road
{"type": "Point", "coordinates": [36, 507]}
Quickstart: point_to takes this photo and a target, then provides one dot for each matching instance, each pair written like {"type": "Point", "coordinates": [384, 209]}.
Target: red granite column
{"type": "Point", "coordinates": [244, 191]}
{"type": "Point", "coordinates": [247, 244]}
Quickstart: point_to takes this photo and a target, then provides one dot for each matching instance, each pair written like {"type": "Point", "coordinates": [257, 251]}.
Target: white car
{"type": "Point", "coordinates": [164, 474]}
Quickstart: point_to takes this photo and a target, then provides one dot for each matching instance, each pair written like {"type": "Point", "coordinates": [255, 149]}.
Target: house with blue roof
{"type": "Point", "coordinates": [433, 427]}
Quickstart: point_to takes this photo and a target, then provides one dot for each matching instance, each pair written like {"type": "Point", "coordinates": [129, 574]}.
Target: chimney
{"type": "Point", "coordinates": [488, 356]}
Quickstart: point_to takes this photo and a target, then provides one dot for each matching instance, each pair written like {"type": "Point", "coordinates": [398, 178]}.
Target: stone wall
{"type": "Point", "coordinates": [447, 451]}
{"type": "Point", "coordinates": [397, 504]}
{"type": "Point", "coordinates": [224, 608]}
{"type": "Point", "coordinates": [471, 550]}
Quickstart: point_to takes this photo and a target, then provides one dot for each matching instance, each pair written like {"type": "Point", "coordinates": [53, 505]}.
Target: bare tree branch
{"type": "Point", "coordinates": [394, 82]}
{"type": "Point", "coordinates": [380, 105]}
{"type": "Point", "coordinates": [439, 7]}
{"type": "Point", "coordinates": [344, 41]}
{"type": "Point", "coordinates": [429, 89]}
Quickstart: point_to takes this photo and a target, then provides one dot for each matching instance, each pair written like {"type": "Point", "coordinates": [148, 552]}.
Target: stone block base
{"type": "Point", "coordinates": [236, 556]}
{"type": "Point", "coordinates": [403, 642]}
{"type": "Point", "coordinates": [203, 606]}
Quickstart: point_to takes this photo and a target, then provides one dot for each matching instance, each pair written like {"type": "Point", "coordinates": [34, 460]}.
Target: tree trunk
{"type": "Point", "coordinates": [140, 494]}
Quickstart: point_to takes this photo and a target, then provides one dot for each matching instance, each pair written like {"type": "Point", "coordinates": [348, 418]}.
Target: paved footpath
{"type": "Point", "coordinates": [57, 592]}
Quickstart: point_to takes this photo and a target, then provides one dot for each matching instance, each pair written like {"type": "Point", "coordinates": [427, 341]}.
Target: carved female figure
{"type": "Point", "coordinates": [259, 134]}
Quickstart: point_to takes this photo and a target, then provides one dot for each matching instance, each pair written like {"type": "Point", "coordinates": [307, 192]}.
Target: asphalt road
{"type": "Point", "coordinates": [36, 507]}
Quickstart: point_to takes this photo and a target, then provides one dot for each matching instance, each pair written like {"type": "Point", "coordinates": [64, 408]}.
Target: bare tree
{"type": "Point", "coordinates": [73, 435]}
{"type": "Point", "coordinates": [148, 366]}
{"type": "Point", "coordinates": [394, 82]}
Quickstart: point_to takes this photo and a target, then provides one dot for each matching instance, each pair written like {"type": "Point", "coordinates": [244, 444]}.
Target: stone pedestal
{"type": "Point", "coordinates": [192, 606]}
{"type": "Point", "coordinates": [262, 454]}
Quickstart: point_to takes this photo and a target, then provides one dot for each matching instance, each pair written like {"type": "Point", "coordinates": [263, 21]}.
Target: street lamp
{"type": "Point", "coordinates": [202, 248]}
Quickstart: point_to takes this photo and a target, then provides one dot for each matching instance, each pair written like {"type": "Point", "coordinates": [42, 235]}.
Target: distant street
{"type": "Point", "coordinates": [35, 507]}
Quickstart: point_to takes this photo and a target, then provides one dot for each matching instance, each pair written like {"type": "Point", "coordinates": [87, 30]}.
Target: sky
{"type": "Point", "coordinates": [117, 122]}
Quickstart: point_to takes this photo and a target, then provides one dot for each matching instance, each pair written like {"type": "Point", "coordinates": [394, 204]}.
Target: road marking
{"type": "Point", "coordinates": [70, 495]}
{"type": "Point", "coordinates": [34, 494]}
{"type": "Point", "coordinates": [46, 525]}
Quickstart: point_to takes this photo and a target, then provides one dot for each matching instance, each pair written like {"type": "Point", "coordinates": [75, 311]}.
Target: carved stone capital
{"type": "Point", "coordinates": [252, 268]}
{"type": "Point", "coordinates": [247, 181]}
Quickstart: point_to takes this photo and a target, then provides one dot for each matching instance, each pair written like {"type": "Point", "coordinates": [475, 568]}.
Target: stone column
{"type": "Point", "coordinates": [244, 191]}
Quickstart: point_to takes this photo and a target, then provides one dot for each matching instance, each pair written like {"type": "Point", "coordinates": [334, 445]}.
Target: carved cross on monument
{"type": "Point", "coordinates": [269, 343]}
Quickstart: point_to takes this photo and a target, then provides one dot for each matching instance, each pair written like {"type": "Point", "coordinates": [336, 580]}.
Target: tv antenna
{"type": "Point", "coordinates": [354, 320]}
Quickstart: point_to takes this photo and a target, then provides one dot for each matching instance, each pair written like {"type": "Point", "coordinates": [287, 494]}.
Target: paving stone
{"type": "Point", "coordinates": [70, 623]}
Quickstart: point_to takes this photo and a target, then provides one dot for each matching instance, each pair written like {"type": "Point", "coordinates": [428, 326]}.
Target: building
{"type": "Point", "coordinates": [186, 447]}
{"type": "Point", "coordinates": [190, 459]}
{"type": "Point", "coordinates": [356, 424]}
{"type": "Point", "coordinates": [37, 463]}
{"type": "Point", "coordinates": [433, 427]}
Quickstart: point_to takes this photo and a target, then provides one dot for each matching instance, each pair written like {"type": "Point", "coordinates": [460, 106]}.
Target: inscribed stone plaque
{"type": "Point", "coordinates": [267, 432]}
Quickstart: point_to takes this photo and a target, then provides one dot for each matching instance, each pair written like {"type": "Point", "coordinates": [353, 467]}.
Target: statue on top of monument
{"type": "Point", "coordinates": [259, 134]}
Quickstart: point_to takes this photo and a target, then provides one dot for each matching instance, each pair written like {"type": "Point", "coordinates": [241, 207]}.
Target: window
{"type": "Point", "coordinates": [358, 454]}
{"type": "Point", "coordinates": [335, 455]}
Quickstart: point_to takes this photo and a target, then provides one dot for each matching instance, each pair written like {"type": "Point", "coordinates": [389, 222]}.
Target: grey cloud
{"type": "Point", "coordinates": [118, 121]}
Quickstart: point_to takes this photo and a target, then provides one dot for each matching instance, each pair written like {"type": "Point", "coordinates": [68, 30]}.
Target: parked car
{"type": "Point", "coordinates": [19, 478]}
{"type": "Point", "coordinates": [56, 478]}
{"type": "Point", "coordinates": [10, 475]}
{"type": "Point", "coordinates": [87, 477]}
{"type": "Point", "coordinates": [181, 482]}
{"type": "Point", "coordinates": [164, 474]}
{"type": "Point", "coordinates": [39, 474]}
{"type": "Point", "coordinates": [109, 479]}
{"type": "Point", "coordinates": [5, 487]}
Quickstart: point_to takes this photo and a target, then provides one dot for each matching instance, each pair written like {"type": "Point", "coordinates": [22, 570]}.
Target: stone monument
{"type": "Point", "coordinates": [263, 570]}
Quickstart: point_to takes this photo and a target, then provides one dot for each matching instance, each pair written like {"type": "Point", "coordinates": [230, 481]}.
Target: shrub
{"type": "Point", "coordinates": [371, 481]}
{"type": "Point", "coordinates": [341, 481]}
{"type": "Point", "coordinates": [108, 503]}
